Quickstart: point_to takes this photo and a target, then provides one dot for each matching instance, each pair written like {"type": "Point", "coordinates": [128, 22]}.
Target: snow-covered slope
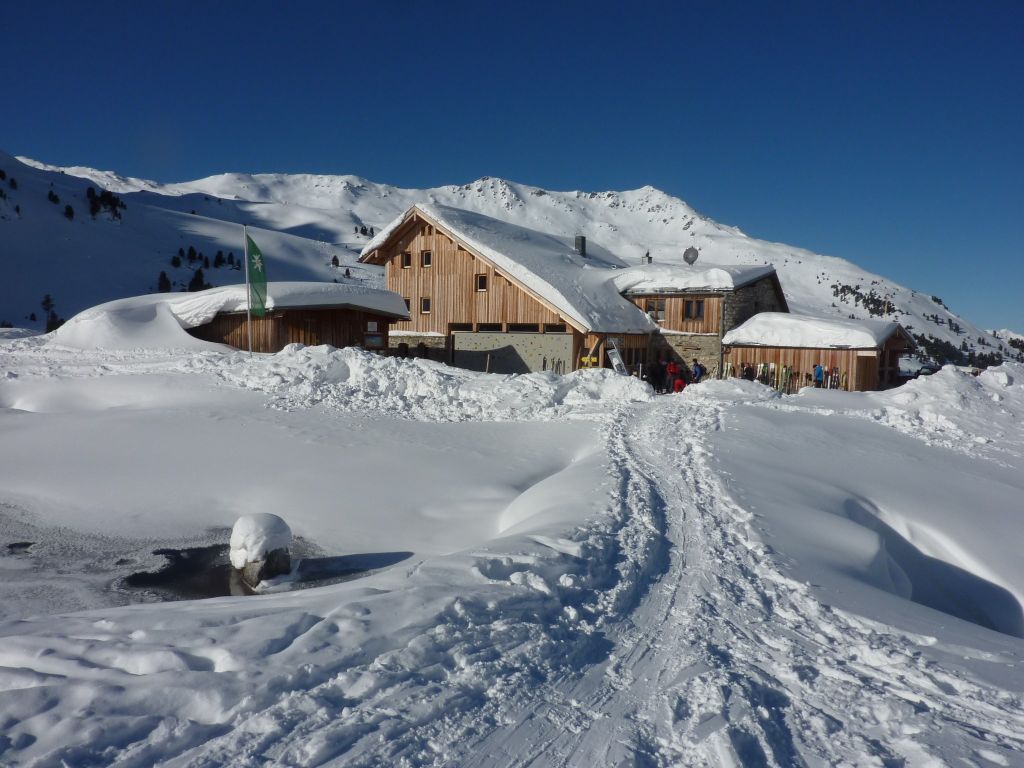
{"type": "Point", "coordinates": [557, 577]}
{"type": "Point", "coordinates": [310, 218]}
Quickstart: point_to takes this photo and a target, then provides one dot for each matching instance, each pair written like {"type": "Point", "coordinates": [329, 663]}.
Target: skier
{"type": "Point", "coordinates": [819, 375]}
{"type": "Point", "coordinates": [748, 372]}
{"type": "Point", "coordinates": [696, 371]}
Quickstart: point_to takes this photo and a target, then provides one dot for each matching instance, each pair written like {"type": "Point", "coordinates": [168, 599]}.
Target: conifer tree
{"type": "Point", "coordinates": [197, 283]}
{"type": "Point", "coordinates": [163, 283]}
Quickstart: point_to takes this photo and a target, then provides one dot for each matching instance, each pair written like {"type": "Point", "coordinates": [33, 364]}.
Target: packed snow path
{"type": "Point", "coordinates": [726, 661]}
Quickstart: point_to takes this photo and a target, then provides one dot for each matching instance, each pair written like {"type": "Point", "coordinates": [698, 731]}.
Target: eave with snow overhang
{"type": "Point", "coordinates": [860, 354]}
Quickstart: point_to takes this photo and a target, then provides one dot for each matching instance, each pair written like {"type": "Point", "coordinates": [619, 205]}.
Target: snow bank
{"type": "Point", "coordinates": [253, 537]}
{"type": "Point", "coordinates": [354, 380]}
{"type": "Point", "coordinates": [957, 410]}
{"type": "Point", "coordinates": [781, 329]}
{"type": "Point", "coordinates": [159, 320]}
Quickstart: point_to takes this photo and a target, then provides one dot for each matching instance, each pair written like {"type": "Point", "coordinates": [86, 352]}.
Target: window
{"type": "Point", "coordinates": [453, 327]}
{"type": "Point", "coordinates": [694, 310]}
{"type": "Point", "coordinates": [373, 340]}
{"type": "Point", "coordinates": [523, 327]}
{"type": "Point", "coordinates": [406, 260]}
{"type": "Point", "coordinates": [481, 282]}
{"type": "Point", "coordinates": [425, 306]}
{"type": "Point", "coordinates": [371, 325]}
{"type": "Point", "coordinates": [426, 258]}
{"type": "Point", "coordinates": [655, 309]}
{"type": "Point", "coordinates": [488, 327]}
{"type": "Point", "coordinates": [559, 328]}
{"type": "Point", "coordinates": [408, 304]}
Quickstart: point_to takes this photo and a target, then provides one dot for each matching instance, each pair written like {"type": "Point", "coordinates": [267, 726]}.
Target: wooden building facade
{"type": "Point", "coordinates": [446, 285]}
{"type": "Point", "coordinates": [451, 290]}
{"type": "Point", "coordinates": [337, 326]}
{"type": "Point", "coordinates": [856, 370]}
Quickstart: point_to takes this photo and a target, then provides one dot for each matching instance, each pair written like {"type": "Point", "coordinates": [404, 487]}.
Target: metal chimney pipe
{"type": "Point", "coordinates": [581, 246]}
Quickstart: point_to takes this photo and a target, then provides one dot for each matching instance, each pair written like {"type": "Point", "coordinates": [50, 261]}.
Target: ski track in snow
{"type": "Point", "coordinates": [726, 661]}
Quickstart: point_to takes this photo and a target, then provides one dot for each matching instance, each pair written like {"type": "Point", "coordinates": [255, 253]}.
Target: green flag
{"type": "Point", "coordinates": [257, 280]}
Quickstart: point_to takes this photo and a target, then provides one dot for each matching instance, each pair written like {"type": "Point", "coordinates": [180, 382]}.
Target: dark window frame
{"type": "Point", "coordinates": [693, 309]}
{"type": "Point", "coordinates": [405, 259]}
{"type": "Point", "coordinates": [425, 305]}
{"type": "Point", "coordinates": [480, 283]}
{"type": "Point", "coordinates": [655, 309]}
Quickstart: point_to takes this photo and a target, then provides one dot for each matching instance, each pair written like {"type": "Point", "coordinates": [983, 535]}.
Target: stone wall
{"type": "Point", "coordinates": [432, 347]}
{"type": "Point", "coordinates": [747, 301]}
{"type": "Point", "coordinates": [683, 347]}
{"type": "Point", "coordinates": [513, 352]}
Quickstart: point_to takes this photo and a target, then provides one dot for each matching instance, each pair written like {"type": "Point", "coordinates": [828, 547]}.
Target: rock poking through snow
{"type": "Point", "coordinates": [259, 547]}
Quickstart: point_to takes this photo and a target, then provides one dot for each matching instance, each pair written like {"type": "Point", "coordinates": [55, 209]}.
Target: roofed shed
{"type": "Point", "coordinates": [859, 355]}
{"type": "Point", "coordinates": [339, 314]}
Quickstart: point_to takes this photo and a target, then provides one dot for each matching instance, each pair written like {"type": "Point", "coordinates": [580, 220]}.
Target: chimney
{"type": "Point", "coordinates": [581, 246]}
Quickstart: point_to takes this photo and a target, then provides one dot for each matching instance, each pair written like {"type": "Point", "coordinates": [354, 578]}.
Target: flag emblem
{"type": "Point", "coordinates": [257, 279]}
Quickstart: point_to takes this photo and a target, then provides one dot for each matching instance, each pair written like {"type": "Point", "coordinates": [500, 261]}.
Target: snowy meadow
{"type": "Point", "coordinates": [554, 570]}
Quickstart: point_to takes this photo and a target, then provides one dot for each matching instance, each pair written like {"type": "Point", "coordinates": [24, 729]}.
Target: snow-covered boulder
{"type": "Point", "coordinates": [259, 547]}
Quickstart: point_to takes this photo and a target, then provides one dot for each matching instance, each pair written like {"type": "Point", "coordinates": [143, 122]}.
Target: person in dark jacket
{"type": "Point", "coordinates": [748, 372]}
{"type": "Point", "coordinates": [819, 375]}
{"type": "Point", "coordinates": [657, 375]}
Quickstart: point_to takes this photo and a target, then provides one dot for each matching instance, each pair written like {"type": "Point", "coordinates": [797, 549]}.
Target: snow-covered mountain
{"type": "Point", "coordinates": [303, 221]}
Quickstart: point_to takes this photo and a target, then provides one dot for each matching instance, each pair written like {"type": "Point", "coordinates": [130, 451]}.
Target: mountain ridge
{"type": "Point", "coordinates": [304, 221]}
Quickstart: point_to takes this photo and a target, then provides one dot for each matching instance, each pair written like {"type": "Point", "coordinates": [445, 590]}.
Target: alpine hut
{"type": "Point", "coordinates": [488, 294]}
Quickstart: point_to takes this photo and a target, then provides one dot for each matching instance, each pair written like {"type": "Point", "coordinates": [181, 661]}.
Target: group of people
{"type": "Point", "coordinates": [671, 376]}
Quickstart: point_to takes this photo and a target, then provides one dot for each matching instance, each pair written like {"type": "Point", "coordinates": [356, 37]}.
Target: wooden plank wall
{"type": "Point", "coordinates": [337, 327]}
{"type": "Point", "coordinates": [634, 347]}
{"type": "Point", "coordinates": [675, 311]}
{"type": "Point", "coordinates": [450, 284]}
{"type": "Point", "coordinates": [861, 370]}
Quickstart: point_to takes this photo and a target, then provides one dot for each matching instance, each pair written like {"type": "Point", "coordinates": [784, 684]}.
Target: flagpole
{"type": "Point", "coordinates": [248, 293]}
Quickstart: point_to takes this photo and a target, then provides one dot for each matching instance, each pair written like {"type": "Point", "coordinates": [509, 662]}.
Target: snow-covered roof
{"type": "Point", "coordinates": [780, 329]}
{"type": "Point", "coordinates": [671, 278]}
{"type": "Point", "coordinates": [157, 319]}
{"type": "Point", "coordinates": [581, 289]}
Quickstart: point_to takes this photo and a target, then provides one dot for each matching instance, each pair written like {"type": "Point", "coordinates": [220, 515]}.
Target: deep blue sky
{"type": "Point", "coordinates": [888, 133]}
